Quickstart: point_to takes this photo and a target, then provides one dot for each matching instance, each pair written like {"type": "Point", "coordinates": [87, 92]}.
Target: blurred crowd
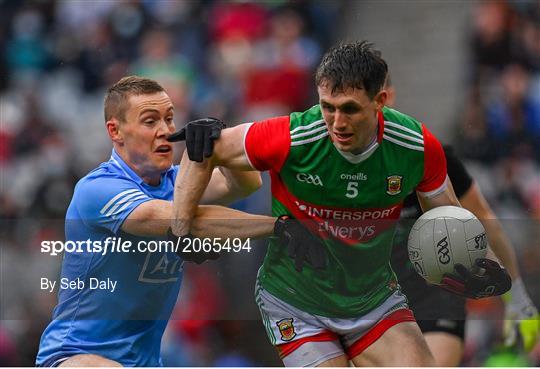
{"type": "Point", "coordinates": [238, 61]}
{"type": "Point", "coordinates": [500, 127]}
{"type": "Point", "coordinates": [499, 136]}
{"type": "Point", "coordinates": [235, 60]}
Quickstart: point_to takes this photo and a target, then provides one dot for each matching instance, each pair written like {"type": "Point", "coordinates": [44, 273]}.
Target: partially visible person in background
{"type": "Point", "coordinates": [440, 314]}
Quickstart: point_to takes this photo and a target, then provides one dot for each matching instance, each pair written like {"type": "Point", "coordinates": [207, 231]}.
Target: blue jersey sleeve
{"type": "Point", "coordinates": [107, 202]}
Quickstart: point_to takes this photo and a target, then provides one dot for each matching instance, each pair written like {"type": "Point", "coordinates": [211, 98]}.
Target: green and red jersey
{"type": "Point", "coordinates": [351, 201]}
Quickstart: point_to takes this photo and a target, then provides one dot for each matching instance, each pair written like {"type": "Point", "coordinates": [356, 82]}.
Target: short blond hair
{"type": "Point", "coordinates": [116, 98]}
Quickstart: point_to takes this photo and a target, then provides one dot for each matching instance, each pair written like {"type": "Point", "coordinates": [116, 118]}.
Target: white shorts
{"type": "Point", "coordinates": [304, 339]}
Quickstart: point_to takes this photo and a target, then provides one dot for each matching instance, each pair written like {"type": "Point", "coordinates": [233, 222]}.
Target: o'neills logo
{"type": "Point", "coordinates": [354, 177]}
{"type": "Point", "coordinates": [350, 225]}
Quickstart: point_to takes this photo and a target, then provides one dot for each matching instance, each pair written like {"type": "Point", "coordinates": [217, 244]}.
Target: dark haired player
{"type": "Point", "coordinates": [343, 168]}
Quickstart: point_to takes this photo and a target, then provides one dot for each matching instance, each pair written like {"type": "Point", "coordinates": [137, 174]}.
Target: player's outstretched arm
{"type": "Point", "coordinates": [228, 151]}
{"type": "Point", "coordinates": [194, 178]}
{"type": "Point", "coordinates": [226, 185]}
{"type": "Point", "coordinates": [153, 218]}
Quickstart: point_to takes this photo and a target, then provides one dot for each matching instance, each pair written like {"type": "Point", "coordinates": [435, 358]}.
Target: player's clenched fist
{"type": "Point", "coordinates": [302, 245]}
{"type": "Point", "coordinates": [199, 136]}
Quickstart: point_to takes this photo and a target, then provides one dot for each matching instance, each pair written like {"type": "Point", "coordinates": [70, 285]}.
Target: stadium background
{"type": "Point", "coordinates": [469, 69]}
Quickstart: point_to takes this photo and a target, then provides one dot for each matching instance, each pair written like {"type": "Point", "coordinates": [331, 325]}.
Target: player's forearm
{"type": "Point", "coordinates": [241, 183]}
{"type": "Point", "coordinates": [474, 201]}
{"type": "Point", "coordinates": [189, 187]}
{"type": "Point", "coordinates": [217, 221]}
{"type": "Point", "coordinates": [501, 246]}
{"type": "Point", "coordinates": [152, 219]}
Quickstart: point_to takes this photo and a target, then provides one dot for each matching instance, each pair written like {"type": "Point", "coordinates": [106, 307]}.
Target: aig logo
{"type": "Point", "coordinates": [309, 178]}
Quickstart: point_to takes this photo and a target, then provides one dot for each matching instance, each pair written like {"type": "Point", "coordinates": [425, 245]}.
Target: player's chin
{"type": "Point", "coordinates": [343, 147]}
{"type": "Point", "coordinates": [163, 160]}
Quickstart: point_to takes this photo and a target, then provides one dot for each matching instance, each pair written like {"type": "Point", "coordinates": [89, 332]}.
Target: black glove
{"type": "Point", "coordinates": [495, 280]}
{"type": "Point", "coordinates": [199, 135]}
{"type": "Point", "coordinates": [301, 243]}
{"type": "Point", "coordinates": [195, 257]}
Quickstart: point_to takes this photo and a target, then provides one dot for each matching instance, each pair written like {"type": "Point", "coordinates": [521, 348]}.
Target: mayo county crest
{"type": "Point", "coordinates": [393, 184]}
{"type": "Point", "coordinates": [286, 328]}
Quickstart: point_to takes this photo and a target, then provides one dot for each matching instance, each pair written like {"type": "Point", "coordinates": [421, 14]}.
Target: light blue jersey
{"type": "Point", "coordinates": [125, 325]}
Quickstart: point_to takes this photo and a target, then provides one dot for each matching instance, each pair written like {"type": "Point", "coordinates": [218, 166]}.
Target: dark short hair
{"type": "Point", "coordinates": [116, 98]}
{"type": "Point", "coordinates": [352, 65]}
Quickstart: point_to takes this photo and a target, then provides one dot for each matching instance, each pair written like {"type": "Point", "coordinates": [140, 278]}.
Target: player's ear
{"type": "Point", "coordinates": [380, 99]}
{"type": "Point", "coordinates": [113, 129]}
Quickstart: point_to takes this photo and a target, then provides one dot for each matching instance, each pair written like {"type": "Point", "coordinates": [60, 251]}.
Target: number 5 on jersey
{"type": "Point", "coordinates": [352, 190]}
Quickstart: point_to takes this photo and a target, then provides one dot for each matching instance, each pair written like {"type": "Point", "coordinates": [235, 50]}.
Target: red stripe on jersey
{"type": "Point", "coordinates": [348, 225]}
{"type": "Point", "coordinates": [287, 348]}
{"type": "Point", "coordinates": [380, 118]}
{"type": "Point", "coordinates": [402, 315]}
{"type": "Point", "coordinates": [434, 163]}
{"type": "Point", "coordinates": [268, 143]}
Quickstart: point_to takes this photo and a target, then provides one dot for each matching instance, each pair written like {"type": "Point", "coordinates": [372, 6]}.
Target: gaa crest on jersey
{"type": "Point", "coordinates": [312, 179]}
{"type": "Point", "coordinates": [393, 184]}
{"type": "Point", "coordinates": [286, 328]}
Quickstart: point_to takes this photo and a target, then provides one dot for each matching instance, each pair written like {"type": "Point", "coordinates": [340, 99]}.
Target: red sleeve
{"type": "Point", "coordinates": [434, 180]}
{"type": "Point", "coordinates": [267, 143]}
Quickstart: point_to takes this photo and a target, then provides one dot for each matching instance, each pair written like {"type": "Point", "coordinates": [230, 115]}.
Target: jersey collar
{"type": "Point", "coordinates": [119, 163]}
